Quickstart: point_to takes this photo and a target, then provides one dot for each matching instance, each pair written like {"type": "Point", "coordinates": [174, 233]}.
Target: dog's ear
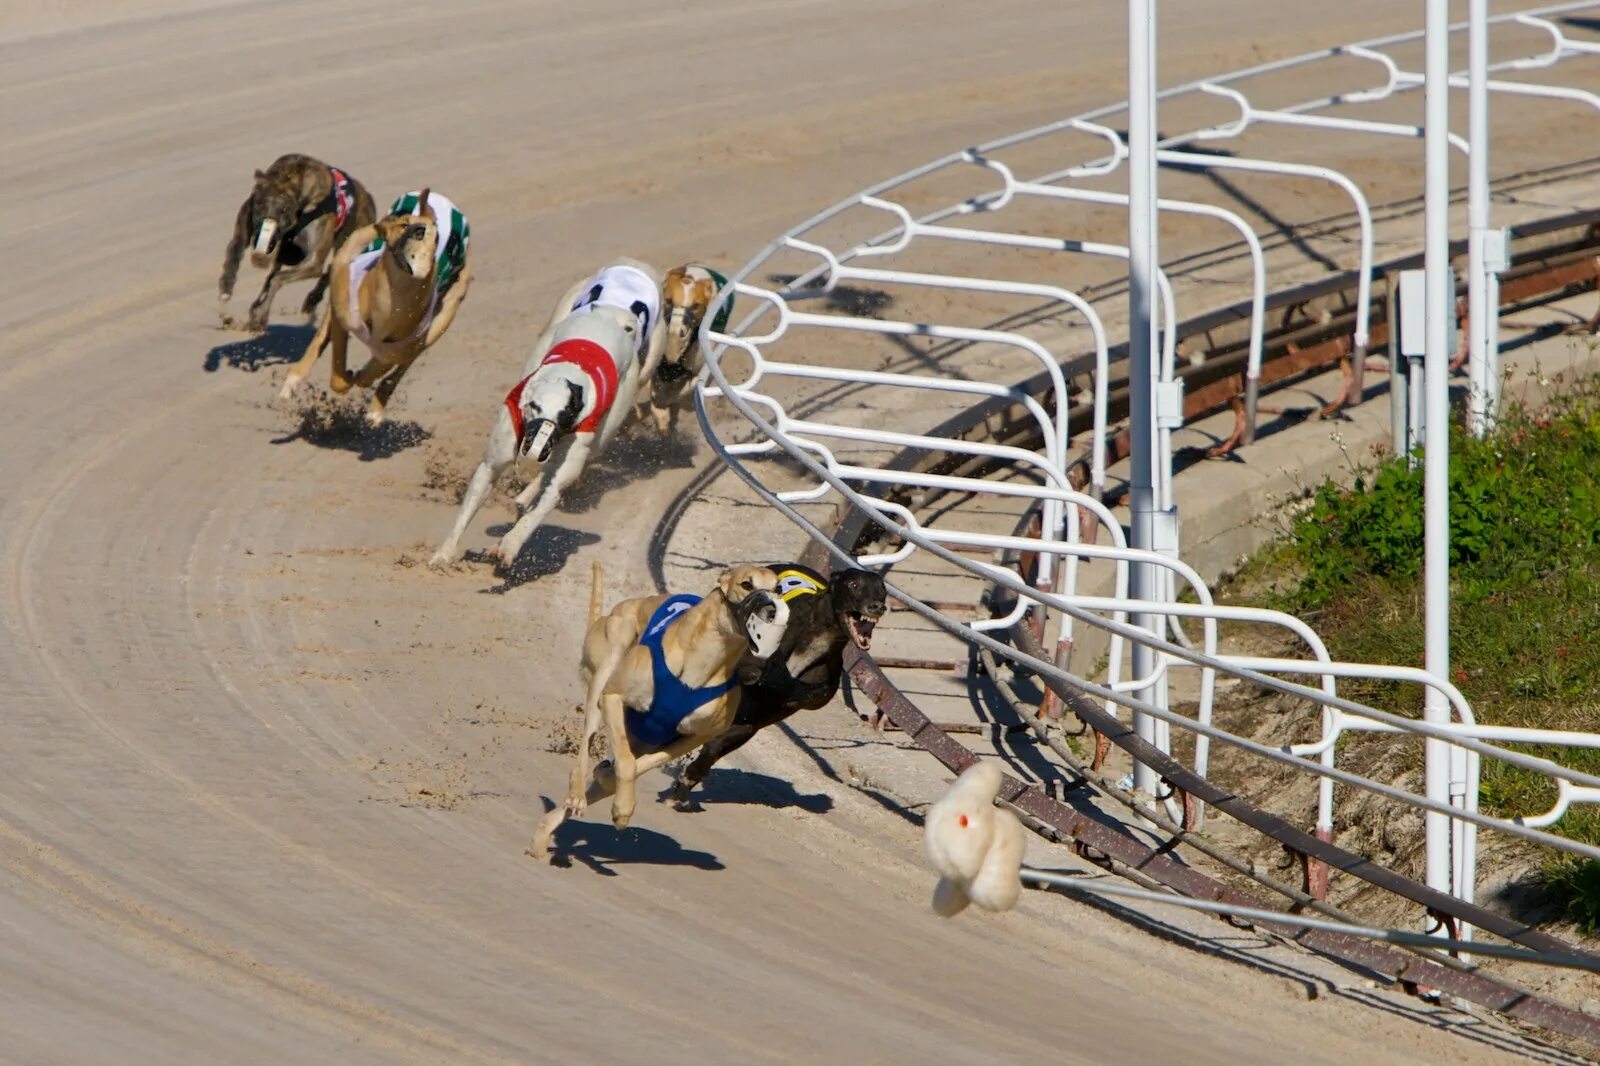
{"type": "Point", "coordinates": [261, 175]}
{"type": "Point", "coordinates": [573, 410]}
{"type": "Point", "coordinates": [725, 583]}
{"type": "Point", "coordinates": [423, 206]}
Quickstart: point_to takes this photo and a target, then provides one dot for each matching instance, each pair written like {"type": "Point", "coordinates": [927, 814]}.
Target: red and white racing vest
{"type": "Point", "coordinates": [594, 361]}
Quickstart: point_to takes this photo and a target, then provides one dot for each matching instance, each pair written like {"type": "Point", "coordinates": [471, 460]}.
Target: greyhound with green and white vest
{"type": "Point", "coordinates": [576, 391]}
{"type": "Point", "coordinates": [396, 286]}
{"type": "Point", "coordinates": [686, 296]}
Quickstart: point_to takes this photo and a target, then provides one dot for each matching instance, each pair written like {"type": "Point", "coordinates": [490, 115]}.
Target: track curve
{"type": "Point", "coordinates": [267, 782]}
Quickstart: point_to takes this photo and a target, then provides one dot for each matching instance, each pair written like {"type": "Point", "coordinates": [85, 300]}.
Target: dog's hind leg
{"type": "Point", "coordinates": [572, 465]}
{"type": "Point", "coordinates": [302, 370]}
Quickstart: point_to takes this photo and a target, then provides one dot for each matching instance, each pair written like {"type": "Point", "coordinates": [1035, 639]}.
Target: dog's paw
{"type": "Point", "coordinates": [376, 418]}
{"type": "Point", "coordinates": [256, 324]}
{"type": "Point", "coordinates": [339, 384]}
{"type": "Point", "coordinates": [289, 385]}
{"type": "Point", "coordinates": [441, 560]}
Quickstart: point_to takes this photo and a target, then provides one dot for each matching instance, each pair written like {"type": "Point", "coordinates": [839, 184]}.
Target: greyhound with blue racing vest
{"type": "Point", "coordinates": [659, 673]}
{"type": "Point", "coordinates": [825, 614]}
{"type": "Point", "coordinates": [576, 391]}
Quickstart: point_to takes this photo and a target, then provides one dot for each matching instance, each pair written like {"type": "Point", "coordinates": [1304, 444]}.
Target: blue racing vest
{"type": "Point", "coordinates": [673, 700]}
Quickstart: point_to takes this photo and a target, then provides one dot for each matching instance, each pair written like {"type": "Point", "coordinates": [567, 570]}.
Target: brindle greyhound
{"type": "Point", "coordinates": [299, 211]}
{"type": "Point", "coordinates": [387, 294]}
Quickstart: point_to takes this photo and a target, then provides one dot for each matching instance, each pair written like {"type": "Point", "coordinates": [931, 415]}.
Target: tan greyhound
{"type": "Point", "coordinates": [667, 384]}
{"type": "Point", "coordinates": [396, 286]}
{"type": "Point", "coordinates": [659, 675]}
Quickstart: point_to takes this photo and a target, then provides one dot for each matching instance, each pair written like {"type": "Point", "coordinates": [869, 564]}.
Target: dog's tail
{"type": "Point", "coordinates": [597, 592]}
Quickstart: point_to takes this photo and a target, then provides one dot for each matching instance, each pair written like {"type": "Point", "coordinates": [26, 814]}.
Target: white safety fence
{"type": "Point", "coordinates": [838, 454]}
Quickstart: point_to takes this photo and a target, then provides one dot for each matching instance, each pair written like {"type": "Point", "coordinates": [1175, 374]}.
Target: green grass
{"type": "Point", "coordinates": [1525, 596]}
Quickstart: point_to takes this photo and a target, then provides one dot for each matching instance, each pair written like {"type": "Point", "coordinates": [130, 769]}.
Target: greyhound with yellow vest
{"type": "Point", "coordinates": [576, 391]}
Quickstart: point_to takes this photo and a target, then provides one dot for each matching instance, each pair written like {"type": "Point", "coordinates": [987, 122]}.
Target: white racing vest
{"type": "Point", "coordinates": [630, 289]}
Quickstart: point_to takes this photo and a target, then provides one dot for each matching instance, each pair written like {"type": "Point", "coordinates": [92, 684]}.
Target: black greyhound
{"type": "Point", "coordinates": [804, 673]}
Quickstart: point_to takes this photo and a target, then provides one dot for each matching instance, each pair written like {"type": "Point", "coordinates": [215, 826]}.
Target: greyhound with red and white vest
{"type": "Point", "coordinates": [576, 391]}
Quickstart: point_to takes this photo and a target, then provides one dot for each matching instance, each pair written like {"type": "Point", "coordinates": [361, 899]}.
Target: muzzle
{"type": "Point", "coordinates": [764, 617]}
{"type": "Point", "coordinates": [540, 439]}
{"type": "Point", "coordinates": [266, 237]}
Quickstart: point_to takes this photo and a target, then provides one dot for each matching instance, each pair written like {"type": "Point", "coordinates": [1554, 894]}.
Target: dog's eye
{"type": "Point", "coordinates": [747, 585]}
{"type": "Point", "coordinates": [416, 233]}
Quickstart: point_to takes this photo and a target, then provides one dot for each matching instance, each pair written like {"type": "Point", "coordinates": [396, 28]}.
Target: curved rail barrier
{"type": "Point", "coordinates": [1014, 447]}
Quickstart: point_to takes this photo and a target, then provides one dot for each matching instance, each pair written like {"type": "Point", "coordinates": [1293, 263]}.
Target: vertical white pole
{"type": "Point", "coordinates": [1436, 426]}
{"type": "Point", "coordinates": [1480, 310]}
{"type": "Point", "coordinates": [1143, 582]}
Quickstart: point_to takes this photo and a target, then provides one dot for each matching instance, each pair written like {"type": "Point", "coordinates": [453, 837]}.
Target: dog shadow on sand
{"type": "Point", "coordinates": [278, 345]}
{"type": "Point", "coordinates": [341, 425]}
{"type": "Point", "coordinates": [728, 785]}
{"type": "Point", "coordinates": [602, 847]}
{"type": "Point", "coordinates": [547, 552]}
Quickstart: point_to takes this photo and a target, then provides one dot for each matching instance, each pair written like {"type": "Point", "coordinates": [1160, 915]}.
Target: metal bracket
{"type": "Point", "coordinates": [1497, 250]}
{"type": "Point", "coordinates": [1164, 532]}
{"type": "Point", "coordinates": [1168, 399]}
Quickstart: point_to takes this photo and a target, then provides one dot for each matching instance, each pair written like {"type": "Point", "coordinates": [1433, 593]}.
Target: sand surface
{"type": "Point", "coordinates": [266, 780]}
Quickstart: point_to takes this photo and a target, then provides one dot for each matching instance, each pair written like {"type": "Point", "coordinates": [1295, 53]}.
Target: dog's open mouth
{"type": "Point", "coordinates": [860, 628]}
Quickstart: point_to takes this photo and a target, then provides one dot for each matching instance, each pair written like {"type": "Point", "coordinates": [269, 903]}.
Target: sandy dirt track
{"type": "Point", "coordinates": [266, 781]}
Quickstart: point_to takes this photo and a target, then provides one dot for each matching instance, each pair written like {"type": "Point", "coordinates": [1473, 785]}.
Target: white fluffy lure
{"type": "Point", "coordinates": [975, 846]}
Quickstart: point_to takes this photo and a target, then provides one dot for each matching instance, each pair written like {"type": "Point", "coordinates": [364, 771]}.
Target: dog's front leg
{"type": "Point", "coordinates": [263, 303]}
{"type": "Point", "coordinates": [231, 256]}
{"type": "Point", "coordinates": [624, 766]}
{"type": "Point", "coordinates": [448, 307]}
{"type": "Point", "coordinates": [376, 411]}
{"type": "Point", "coordinates": [529, 491]}
{"type": "Point", "coordinates": [302, 370]}
{"type": "Point", "coordinates": [498, 454]}
{"type": "Point", "coordinates": [314, 297]}
{"type": "Point", "coordinates": [571, 466]}
{"type": "Point", "coordinates": [339, 376]}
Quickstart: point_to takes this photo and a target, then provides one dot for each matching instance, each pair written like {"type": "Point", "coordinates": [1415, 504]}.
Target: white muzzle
{"type": "Point", "coordinates": [264, 235]}
{"type": "Point", "coordinates": [766, 617]}
{"type": "Point", "coordinates": [537, 443]}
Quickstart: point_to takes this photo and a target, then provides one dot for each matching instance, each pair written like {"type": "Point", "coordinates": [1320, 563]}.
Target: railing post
{"type": "Point", "coordinates": [1478, 307]}
{"type": "Point", "coordinates": [1436, 425]}
{"type": "Point", "coordinates": [1142, 258]}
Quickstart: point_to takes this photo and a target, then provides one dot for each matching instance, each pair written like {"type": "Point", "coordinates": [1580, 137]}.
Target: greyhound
{"type": "Point", "coordinates": [659, 673]}
{"type": "Point", "coordinates": [298, 213]}
{"type": "Point", "coordinates": [577, 388]}
{"type": "Point", "coordinates": [805, 671]}
{"type": "Point", "coordinates": [686, 296]}
{"type": "Point", "coordinates": [397, 285]}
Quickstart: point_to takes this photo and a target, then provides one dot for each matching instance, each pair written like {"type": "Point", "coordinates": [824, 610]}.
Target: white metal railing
{"type": "Point", "coordinates": [827, 448]}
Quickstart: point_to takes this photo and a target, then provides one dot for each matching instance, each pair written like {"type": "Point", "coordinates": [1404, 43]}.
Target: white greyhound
{"type": "Point", "coordinates": [577, 386]}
